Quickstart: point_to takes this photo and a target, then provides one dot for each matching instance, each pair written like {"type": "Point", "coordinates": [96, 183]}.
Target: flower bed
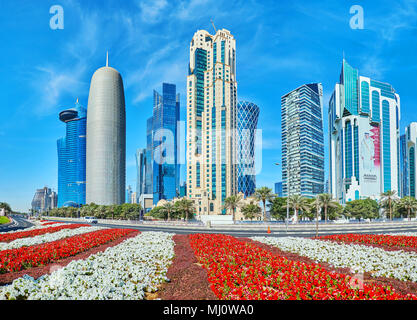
{"type": "Point", "coordinates": [35, 227]}
{"type": "Point", "coordinates": [126, 271]}
{"type": "Point", "coordinates": [42, 254]}
{"type": "Point", "coordinates": [381, 240]}
{"type": "Point", "coordinates": [360, 258]}
{"type": "Point", "coordinates": [48, 237]}
{"type": "Point", "coordinates": [239, 270]}
{"type": "Point", "coordinates": [8, 237]}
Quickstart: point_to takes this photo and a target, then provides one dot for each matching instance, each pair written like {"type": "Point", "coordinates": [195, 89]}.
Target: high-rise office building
{"type": "Point", "coordinates": [410, 160]}
{"type": "Point", "coordinates": [44, 200]}
{"type": "Point", "coordinates": [364, 117]}
{"type": "Point", "coordinates": [211, 121]}
{"type": "Point", "coordinates": [141, 171]}
{"type": "Point", "coordinates": [129, 194]}
{"type": "Point", "coordinates": [302, 141]}
{"type": "Point", "coordinates": [149, 157]}
{"type": "Point", "coordinates": [404, 188]}
{"type": "Point", "coordinates": [72, 157]}
{"type": "Point", "coordinates": [165, 166]}
{"type": "Point", "coordinates": [278, 189]}
{"type": "Point", "coordinates": [247, 120]}
{"type": "Point", "coordinates": [106, 138]}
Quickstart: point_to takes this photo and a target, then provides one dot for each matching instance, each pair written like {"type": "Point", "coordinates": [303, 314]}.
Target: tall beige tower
{"type": "Point", "coordinates": [106, 139]}
{"type": "Point", "coordinates": [212, 121]}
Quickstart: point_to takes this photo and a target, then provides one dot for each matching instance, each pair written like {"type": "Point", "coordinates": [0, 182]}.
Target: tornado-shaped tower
{"type": "Point", "coordinates": [106, 138]}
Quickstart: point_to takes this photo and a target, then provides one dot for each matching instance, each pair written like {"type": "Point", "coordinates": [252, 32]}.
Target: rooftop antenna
{"type": "Point", "coordinates": [107, 59]}
{"type": "Point", "coordinates": [213, 26]}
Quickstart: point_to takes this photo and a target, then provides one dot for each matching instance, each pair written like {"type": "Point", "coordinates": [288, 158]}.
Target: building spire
{"type": "Point", "coordinates": [107, 59]}
{"type": "Point", "coordinates": [77, 100]}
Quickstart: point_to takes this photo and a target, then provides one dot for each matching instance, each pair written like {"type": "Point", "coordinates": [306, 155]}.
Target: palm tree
{"type": "Point", "coordinates": [325, 200]}
{"type": "Point", "coordinates": [410, 204]}
{"type": "Point", "coordinates": [297, 202]}
{"type": "Point", "coordinates": [186, 206]}
{"type": "Point", "coordinates": [251, 211]}
{"type": "Point", "coordinates": [388, 198]}
{"type": "Point", "coordinates": [168, 208]}
{"type": "Point", "coordinates": [317, 204]}
{"type": "Point", "coordinates": [264, 194]}
{"type": "Point", "coordinates": [232, 203]}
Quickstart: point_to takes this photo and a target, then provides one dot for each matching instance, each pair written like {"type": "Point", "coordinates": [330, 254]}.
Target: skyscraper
{"type": "Point", "coordinates": [211, 120]}
{"type": "Point", "coordinates": [106, 138]}
{"type": "Point", "coordinates": [302, 141]}
{"type": "Point", "coordinates": [141, 171]}
{"type": "Point", "coordinates": [165, 166]}
{"type": "Point", "coordinates": [44, 200]}
{"type": "Point", "coordinates": [410, 160]}
{"type": "Point", "coordinates": [247, 120]}
{"type": "Point", "coordinates": [72, 157]}
{"type": "Point", "coordinates": [129, 194]}
{"type": "Point", "coordinates": [364, 117]}
{"type": "Point", "coordinates": [404, 178]}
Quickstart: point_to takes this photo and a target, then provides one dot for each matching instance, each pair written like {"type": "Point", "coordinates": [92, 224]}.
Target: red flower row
{"type": "Point", "coordinates": [373, 239]}
{"type": "Point", "coordinates": [243, 271]}
{"type": "Point", "coordinates": [8, 237]}
{"type": "Point", "coordinates": [49, 223]}
{"type": "Point", "coordinates": [42, 254]}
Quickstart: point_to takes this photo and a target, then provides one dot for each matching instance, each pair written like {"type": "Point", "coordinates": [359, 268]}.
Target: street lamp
{"type": "Point", "coordinates": [288, 208]}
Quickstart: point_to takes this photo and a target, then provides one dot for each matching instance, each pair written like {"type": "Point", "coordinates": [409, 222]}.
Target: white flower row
{"type": "Point", "coordinates": [121, 272]}
{"type": "Point", "coordinates": [48, 237]}
{"type": "Point", "coordinates": [360, 258]}
{"type": "Point", "coordinates": [37, 225]}
{"type": "Point", "coordinates": [408, 234]}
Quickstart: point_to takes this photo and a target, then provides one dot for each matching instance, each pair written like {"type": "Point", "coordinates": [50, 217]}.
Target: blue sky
{"type": "Point", "coordinates": [280, 46]}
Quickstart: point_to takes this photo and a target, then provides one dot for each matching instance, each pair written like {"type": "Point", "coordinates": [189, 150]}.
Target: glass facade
{"type": "Point", "coordinates": [302, 141]}
{"type": "Point", "coordinates": [165, 166]}
{"type": "Point", "coordinates": [72, 158]}
{"type": "Point", "coordinates": [364, 138]}
{"type": "Point", "coordinates": [247, 121]}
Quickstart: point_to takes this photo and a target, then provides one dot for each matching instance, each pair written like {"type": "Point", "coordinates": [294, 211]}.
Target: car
{"type": "Point", "coordinates": [90, 219]}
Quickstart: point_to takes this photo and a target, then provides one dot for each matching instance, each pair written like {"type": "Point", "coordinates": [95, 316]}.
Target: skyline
{"type": "Point", "coordinates": [53, 67]}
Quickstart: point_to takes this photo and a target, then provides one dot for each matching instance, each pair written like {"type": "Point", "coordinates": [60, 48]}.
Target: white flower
{"type": "Point", "coordinates": [395, 264]}
{"type": "Point", "coordinates": [124, 271]}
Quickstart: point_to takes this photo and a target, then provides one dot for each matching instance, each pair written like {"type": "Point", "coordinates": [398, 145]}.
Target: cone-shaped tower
{"type": "Point", "coordinates": [106, 138]}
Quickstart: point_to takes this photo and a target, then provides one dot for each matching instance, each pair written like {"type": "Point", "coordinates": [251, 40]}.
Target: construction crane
{"type": "Point", "coordinates": [213, 26]}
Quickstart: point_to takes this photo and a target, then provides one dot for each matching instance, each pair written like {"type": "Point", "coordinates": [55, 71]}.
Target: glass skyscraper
{"type": "Point", "coordinates": [72, 158]}
{"type": "Point", "coordinates": [409, 160]}
{"type": "Point", "coordinates": [364, 117]}
{"type": "Point", "coordinates": [247, 120]}
{"type": "Point", "coordinates": [162, 141]}
{"type": "Point", "coordinates": [404, 188]}
{"type": "Point", "coordinates": [302, 141]}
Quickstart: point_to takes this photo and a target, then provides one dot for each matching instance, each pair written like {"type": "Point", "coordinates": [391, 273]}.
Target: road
{"type": "Point", "coordinates": [19, 223]}
{"type": "Point", "coordinates": [293, 230]}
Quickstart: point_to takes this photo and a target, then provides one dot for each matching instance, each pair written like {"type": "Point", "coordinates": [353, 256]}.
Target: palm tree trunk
{"type": "Point", "coordinates": [295, 214]}
{"type": "Point", "coordinates": [325, 213]}
{"type": "Point", "coordinates": [408, 214]}
{"type": "Point", "coordinates": [317, 222]}
{"type": "Point", "coordinates": [234, 218]}
{"type": "Point", "coordinates": [264, 203]}
{"type": "Point", "coordinates": [390, 209]}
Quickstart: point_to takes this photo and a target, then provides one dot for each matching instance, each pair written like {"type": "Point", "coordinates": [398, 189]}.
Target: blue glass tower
{"type": "Point", "coordinates": [247, 120]}
{"type": "Point", "coordinates": [72, 157]}
{"type": "Point", "coordinates": [162, 140]}
{"type": "Point", "coordinates": [303, 141]}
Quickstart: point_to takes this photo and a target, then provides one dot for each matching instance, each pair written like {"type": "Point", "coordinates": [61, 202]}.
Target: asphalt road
{"type": "Point", "coordinates": [19, 223]}
{"type": "Point", "coordinates": [294, 231]}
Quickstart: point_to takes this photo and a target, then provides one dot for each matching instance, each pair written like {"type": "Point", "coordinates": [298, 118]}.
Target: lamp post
{"type": "Point", "coordinates": [288, 208]}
